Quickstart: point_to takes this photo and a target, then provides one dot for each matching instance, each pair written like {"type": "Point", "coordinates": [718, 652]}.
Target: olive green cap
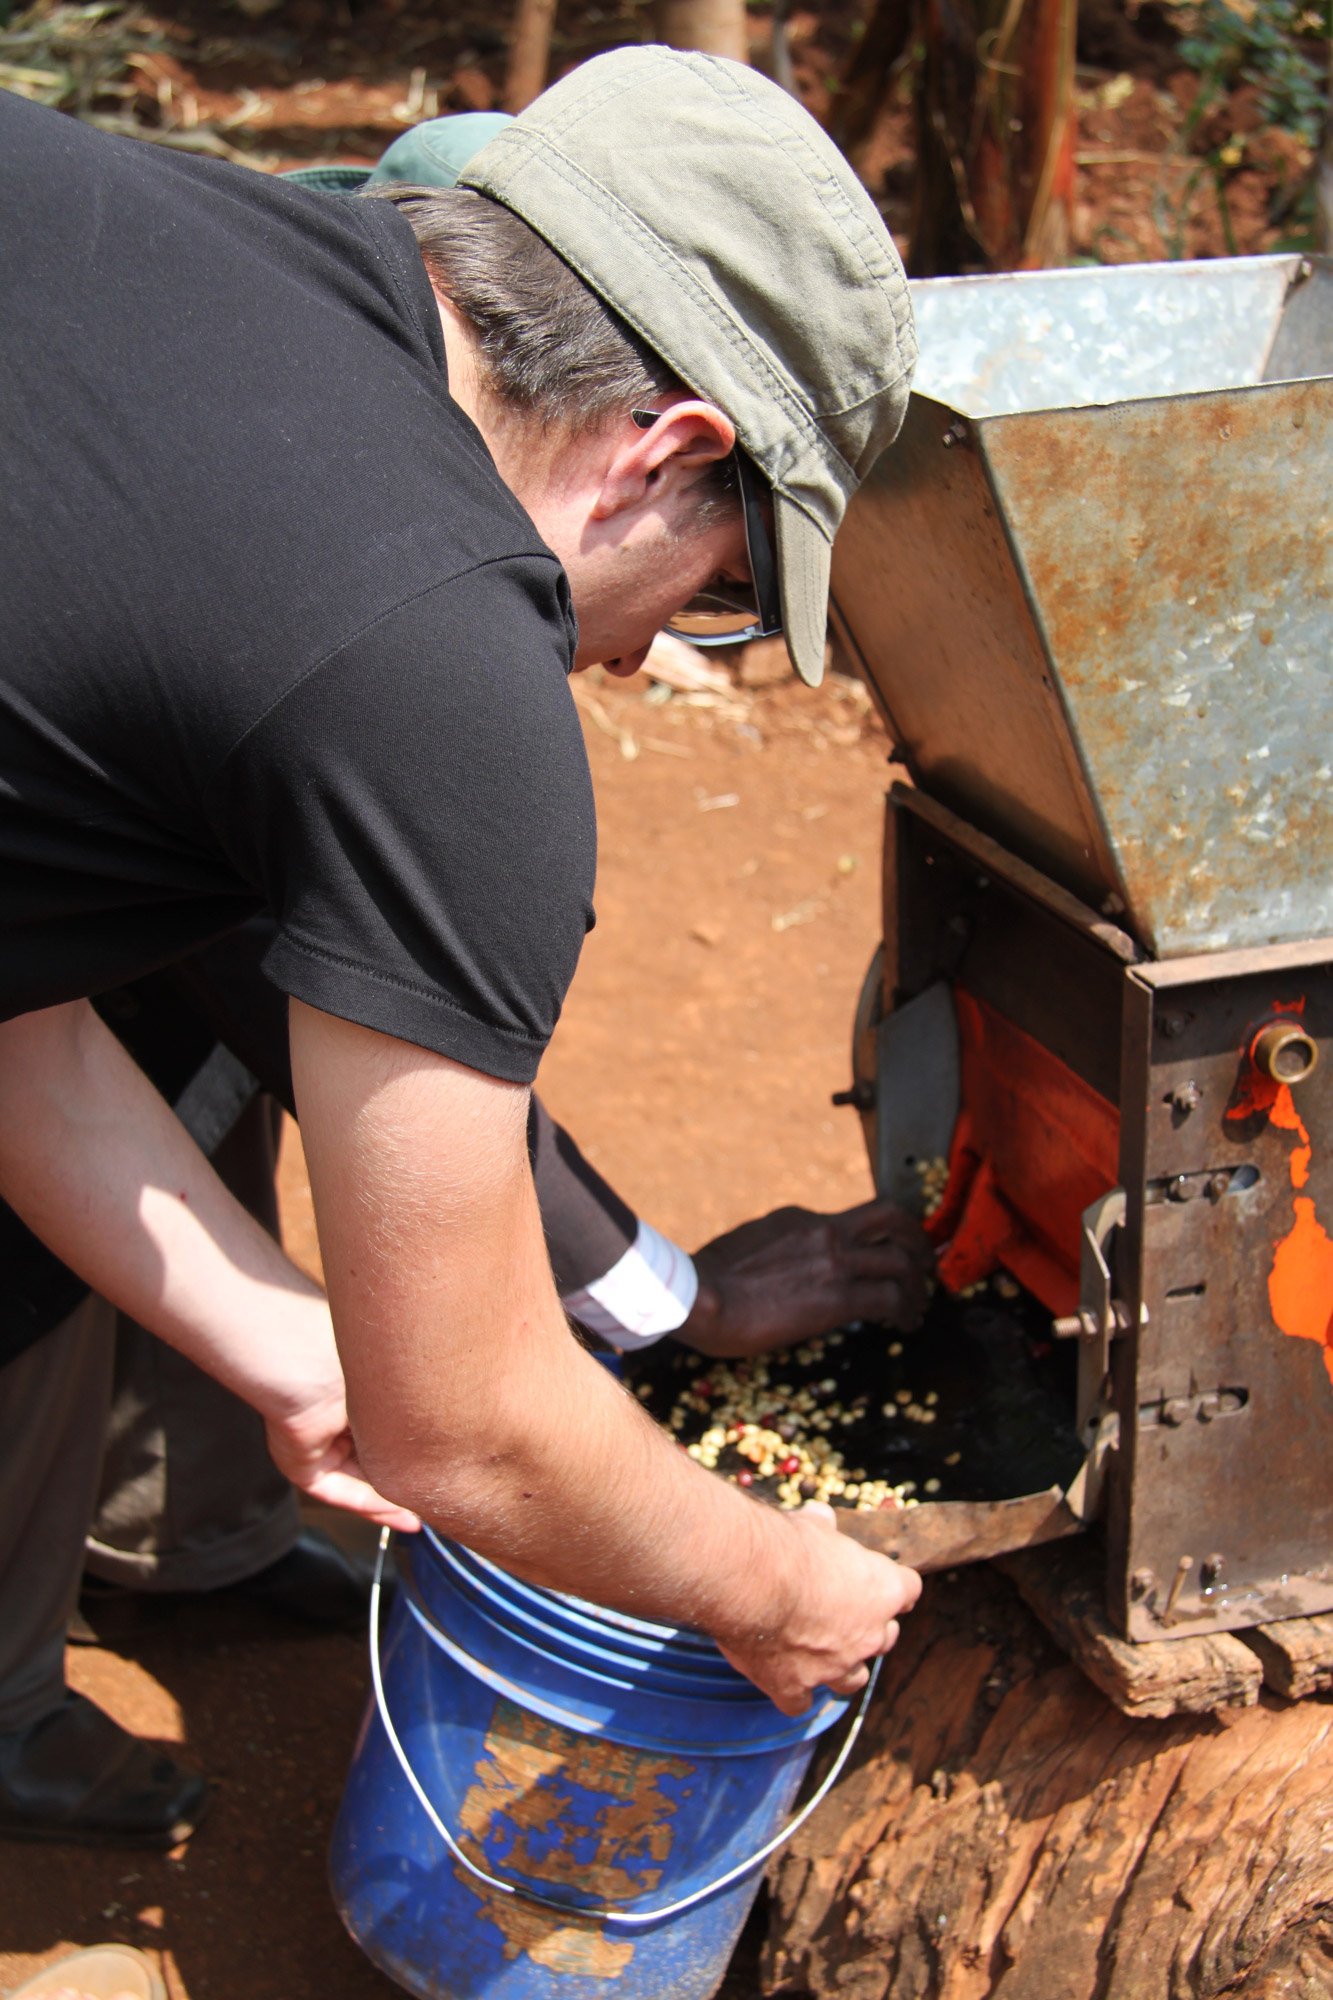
{"type": "Point", "coordinates": [709, 209]}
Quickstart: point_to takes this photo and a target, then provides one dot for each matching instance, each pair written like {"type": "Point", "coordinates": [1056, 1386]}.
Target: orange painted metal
{"type": "Point", "coordinates": [1300, 1280]}
{"type": "Point", "coordinates": [1033, 1146]}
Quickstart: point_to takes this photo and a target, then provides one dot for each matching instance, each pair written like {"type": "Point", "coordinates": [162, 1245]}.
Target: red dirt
{"type": "Point", "coordinates": [1144, 190]}
{"type": "Point", "coordinates": [694, 1063]}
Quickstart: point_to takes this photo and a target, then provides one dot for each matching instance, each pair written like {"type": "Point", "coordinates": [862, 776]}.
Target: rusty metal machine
{"type": "Point", "coordinates": [1091, 589]}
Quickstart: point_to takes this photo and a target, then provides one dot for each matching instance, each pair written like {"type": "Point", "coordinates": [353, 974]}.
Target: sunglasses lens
{"type": "Point", "coordinates": [716, 614]}
{"type": "Point", "coordinates": [733, 613]}
{"type": "Point", "coordinates": [735, 605]}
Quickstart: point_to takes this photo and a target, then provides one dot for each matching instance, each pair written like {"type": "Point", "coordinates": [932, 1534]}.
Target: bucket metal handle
{"type": "Point", "coordinates": [607, 1913]}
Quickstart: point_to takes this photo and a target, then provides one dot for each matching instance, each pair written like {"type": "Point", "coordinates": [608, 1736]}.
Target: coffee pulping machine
{"type": "Point", "coordinates": [1090, 589]}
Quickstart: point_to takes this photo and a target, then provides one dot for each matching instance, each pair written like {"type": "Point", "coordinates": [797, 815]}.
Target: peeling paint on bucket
{"type": "Point", "coordinates": [595, 1759]}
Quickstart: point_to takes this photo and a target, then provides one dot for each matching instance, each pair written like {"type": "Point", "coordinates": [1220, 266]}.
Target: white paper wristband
{"type": "Point", "coordinates": [648, 1293]}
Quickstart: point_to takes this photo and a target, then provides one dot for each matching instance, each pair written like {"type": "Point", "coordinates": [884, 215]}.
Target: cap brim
{"type": "Point", "coordinates": [804, 558]}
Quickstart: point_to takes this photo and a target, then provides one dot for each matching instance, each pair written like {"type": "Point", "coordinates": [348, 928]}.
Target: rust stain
{"type": "Point", "coordinates": [542, 1793]}
{"type": "Point", "coordinates": [578, 1948]}
{"type": "Point", "coordinates": [1171, 629]}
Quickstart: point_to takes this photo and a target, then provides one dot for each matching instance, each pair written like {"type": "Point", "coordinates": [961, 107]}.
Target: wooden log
{"type": "Point", "coordinates": [1296, 1654]}
{"type": "Point", "coordinates": [1006, 1830]}
{"type": "Point", "coordinates": [1186, 1676]}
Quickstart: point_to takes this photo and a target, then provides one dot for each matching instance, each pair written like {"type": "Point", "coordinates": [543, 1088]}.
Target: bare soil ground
{"type": "Point", "coordinates": [708, 1025]}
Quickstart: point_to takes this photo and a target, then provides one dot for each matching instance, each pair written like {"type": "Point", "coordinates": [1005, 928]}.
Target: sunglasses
{"type": "Point", "coordinates": [730, 614]}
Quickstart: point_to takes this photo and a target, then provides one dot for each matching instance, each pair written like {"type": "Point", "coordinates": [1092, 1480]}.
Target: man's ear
{"type": "Point", "coordinates": [651, 464]}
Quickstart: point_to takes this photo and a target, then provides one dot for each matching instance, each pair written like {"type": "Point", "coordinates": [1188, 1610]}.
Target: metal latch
{"type": "Point", "coordinates": [1100, 1317]}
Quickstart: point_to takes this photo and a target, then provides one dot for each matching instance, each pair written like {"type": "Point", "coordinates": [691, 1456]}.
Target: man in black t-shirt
{"type": "Point", "coordinates": [221, 692]}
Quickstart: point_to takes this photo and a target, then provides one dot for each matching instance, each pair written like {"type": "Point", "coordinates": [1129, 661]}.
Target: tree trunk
{"type": "Point", "coordinates": [870, 74]}
{"type": "Point", "coordinates": [529, 53]}
{"type": "Point", "coordinates": [995, 126]}
{"type": "Point", "coordinates": [717, 27]}
{"type": "Point", "coordinates": [1323, 186]}
{"type": "Point", "coordinates": [1007, 1831]}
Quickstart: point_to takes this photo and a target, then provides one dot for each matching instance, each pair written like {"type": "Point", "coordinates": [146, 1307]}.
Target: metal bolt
{"type": "Point", "coordinates": [956, 434]}
{"type": "Point", "coordinates": [1213, 1571]}
{"type": "Point", "coordinates": [1210, 1406]}
{"type": "Point", "coordinates": [1183, 1568]}
{"type": "Point", "coordinates": [1181, 1188]}
{"type": "Point", "coordinates": [1175, 1410]}
{"type": "Point", "coordinates": [1186, 1097]}
{"type": "Point", "coordinates": [1141, 1582]}
{"type": "Point", "coordinates": [1173, 1026]}
{"type": "Point", "coordinates": [1218, 1185]}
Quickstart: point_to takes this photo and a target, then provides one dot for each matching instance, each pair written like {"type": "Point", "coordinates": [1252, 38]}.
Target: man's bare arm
{"type": "Point", "coordinates": [473, 1405]}
{"type": "Point", "coordinates": [101, 1169]}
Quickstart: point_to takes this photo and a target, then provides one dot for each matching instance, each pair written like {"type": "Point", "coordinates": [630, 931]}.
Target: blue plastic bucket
{"type": "Point", "coordinates": [588, 1771]}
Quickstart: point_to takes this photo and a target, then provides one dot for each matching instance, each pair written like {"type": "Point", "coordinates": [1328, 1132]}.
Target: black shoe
{"type": "Point", "coordinates": [76, 1775]}
{"type": "Point", "coordinates": [318, 1582]}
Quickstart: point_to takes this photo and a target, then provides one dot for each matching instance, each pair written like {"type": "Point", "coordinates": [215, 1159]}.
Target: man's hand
{"type": "Point", "coordinates": [845, 1605]}
{"type": "Point", "coordinates": [314, 1448]}
{"type": "Point", "coordinates": [793, 1274]}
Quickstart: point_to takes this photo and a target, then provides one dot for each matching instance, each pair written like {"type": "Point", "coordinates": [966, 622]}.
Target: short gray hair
{"type": "Point", "coordinates": [551, 349]}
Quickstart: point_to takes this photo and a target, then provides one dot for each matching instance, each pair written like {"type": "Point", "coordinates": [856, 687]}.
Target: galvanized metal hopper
{"type": "Point", "coordinates": [1093, 586]}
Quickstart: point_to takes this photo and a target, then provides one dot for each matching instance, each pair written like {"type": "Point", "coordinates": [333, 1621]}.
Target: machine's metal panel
{"type": "Point", "coordinates": [1304, 341]}
{"type": "Point", "coordinates": [1167, 972]}
{"type": "Point", "coordinates": [916, 1092]}
{"type": "Point", "coordinates": [1178, 553]}
{"type": "Point", "coordinates": [925, 582]}
{"type": "Point", "coordinates": [1063, 339]}
{"type": "Point", "coordinates": [1226, 1419]}
{"type": "Point", "coordinates": [1012, 939]}
{"type": "Point", "coordinates": [1103, 630]}
{"type": "Point", "coordinates": [940, 1533]}
{"type": "Point", "coordinates": [992, 859]}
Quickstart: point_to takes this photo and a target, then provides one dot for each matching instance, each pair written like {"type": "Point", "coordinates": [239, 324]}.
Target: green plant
{"type": "Point", "coordinates": [1280, 45]}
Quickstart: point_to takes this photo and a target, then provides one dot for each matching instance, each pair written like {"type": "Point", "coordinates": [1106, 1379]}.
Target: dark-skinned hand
{"type": "Point", "coordinates": [792, 1274]}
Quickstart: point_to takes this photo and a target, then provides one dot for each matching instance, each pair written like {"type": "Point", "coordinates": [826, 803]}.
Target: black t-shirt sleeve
{"type": "Point", "coordinates": [417, 813]}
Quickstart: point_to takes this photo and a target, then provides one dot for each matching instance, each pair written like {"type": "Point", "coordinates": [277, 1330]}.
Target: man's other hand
{"type": "Point", "coordinates": [793, 1274]}
{"type": "Point", "coordinates": [105, 1173]}
{"type": "Point", "coordinates": [314, 1448]}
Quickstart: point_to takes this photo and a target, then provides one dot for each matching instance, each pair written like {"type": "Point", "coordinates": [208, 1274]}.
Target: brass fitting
{"type": "Point", "coordinates": [1285, 1052]}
